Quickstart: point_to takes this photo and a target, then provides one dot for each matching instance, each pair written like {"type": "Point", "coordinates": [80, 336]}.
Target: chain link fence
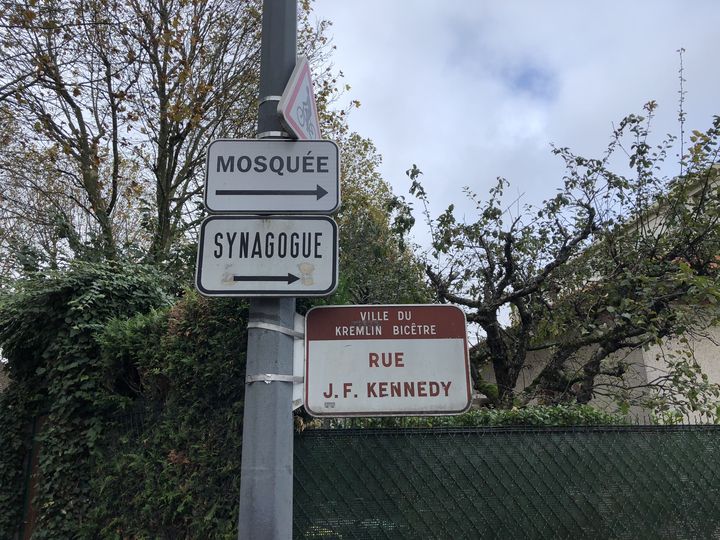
{"type": "Point", "coordinates": [627, 482]}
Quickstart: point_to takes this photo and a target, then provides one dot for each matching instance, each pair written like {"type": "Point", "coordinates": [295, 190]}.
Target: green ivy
{"type": "Point", "coordinates": [48, 331]}
{"type": "Point", "coordinates": [172, 469]}
{"type": "Point", "coordinates": [18, 408]}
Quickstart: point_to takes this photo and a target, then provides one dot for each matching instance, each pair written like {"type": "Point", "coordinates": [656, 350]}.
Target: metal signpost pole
{"type": "Point", "coordinates": [267, 454]}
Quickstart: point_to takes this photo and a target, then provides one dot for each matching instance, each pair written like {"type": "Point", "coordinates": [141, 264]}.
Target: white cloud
{"type": "Point", "coordinates": [471, 90]}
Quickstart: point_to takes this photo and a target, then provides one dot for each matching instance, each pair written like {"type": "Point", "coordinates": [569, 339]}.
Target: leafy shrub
{"type": "Point", "coordinates": [175, 473]}
{"type": "Point", "coordinates": [48, 328]}
{"type": "Point", "coordinates": [547, 416]}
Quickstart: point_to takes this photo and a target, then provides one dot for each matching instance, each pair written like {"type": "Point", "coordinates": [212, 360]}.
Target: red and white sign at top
{"type": "Point", "coordinates": [297, 108]}
{"type": "Point", "coordinates": [386, 360]}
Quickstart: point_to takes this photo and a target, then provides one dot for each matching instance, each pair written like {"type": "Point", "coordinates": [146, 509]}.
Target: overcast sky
{"type": "Point", "coordinates": [475, 89]}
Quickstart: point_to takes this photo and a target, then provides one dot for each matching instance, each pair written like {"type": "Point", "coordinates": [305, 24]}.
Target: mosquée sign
{"type": "Point", "coordinates": [272, 176]}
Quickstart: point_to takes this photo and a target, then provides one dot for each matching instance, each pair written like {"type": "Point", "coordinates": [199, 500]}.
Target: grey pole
{"type": "Point", "coordinates": [266, 484]}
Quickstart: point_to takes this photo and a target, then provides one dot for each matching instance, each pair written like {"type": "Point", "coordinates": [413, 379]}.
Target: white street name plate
{"type": "Point", "coordinates": [386, 360]}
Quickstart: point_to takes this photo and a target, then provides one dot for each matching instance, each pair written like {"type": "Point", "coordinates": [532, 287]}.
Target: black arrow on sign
{"type": "Point", "coordinates": [290, 278]}
{"type": "Point", "coordinates": [319, 192]}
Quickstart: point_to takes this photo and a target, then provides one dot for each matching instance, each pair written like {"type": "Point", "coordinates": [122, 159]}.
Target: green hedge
{"type": "Point", "coordinates": [175, 473]}
{"type": "Point", "coordinates": [48, 332]}
{"type": "Point", "coordinates": [541, 416]}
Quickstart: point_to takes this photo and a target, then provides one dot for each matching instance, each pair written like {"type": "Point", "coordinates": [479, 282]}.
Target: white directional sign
{"type": "Point", "coordinates": [271, 256]}
{"type": "Point", "coordinates": [272, 176]}
{"type": "Point", "coordinates": [297, 108]}
{"type": "Point", "coordinates": [386, 360]}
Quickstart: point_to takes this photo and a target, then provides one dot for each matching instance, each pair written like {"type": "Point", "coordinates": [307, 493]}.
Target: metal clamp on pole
{"type": "Point", "coordinates": [268, 134]}
{"type": "Point", "coordinates": [269, 98]}
{"type": "Point", "coordinates": [276, 328]}
{"type": "Point", "coordinates": [267, 378]}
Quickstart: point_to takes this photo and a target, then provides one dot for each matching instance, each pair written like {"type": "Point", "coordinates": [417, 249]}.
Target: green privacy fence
{"type": "Point", "coordinates": [619, 482]}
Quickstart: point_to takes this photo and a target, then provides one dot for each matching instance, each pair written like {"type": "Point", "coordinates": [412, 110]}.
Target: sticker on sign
{"type": "Point", "coordinates": [399, 360]}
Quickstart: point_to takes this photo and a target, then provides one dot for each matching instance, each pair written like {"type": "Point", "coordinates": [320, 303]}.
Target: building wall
{"type": "Point", "coordinates": [706, 349]}
{"type": "Point", "coordinates": [643, 366]}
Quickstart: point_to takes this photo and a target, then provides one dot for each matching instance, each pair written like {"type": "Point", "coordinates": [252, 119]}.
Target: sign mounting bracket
{"type": "Point", "coordinates": [276, 328]}
{"type": "Point", "coordinates": [268, 378]}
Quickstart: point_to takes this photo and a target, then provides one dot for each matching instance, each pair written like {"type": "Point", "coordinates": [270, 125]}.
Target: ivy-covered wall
{"type": "Point", "coordinates": [89, 345]}
{"type": "Point", "coordinates": [48, 332]}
